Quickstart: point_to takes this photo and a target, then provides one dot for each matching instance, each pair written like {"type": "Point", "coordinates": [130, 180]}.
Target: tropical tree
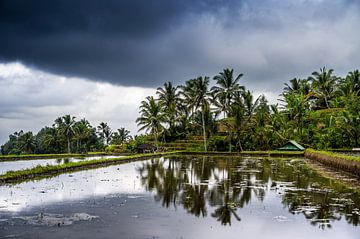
{"type": "Point", "coordinates": [66, 126]}
{"type": "Point", "coordinates": [27, 142]}
{"type": "Point", "coordinates": [121, 136]}
{"type": "Point", "coordinates": [82, 132]}
{"type": "Point", "coordinates": [196, 95]}
{"type": "Point", "coordinates": [168, 98]}
{"type": "Point", "coordinates": [324, 86]}
{"type": "Point", "coordinates": [350, 84]}
{"type": "Point", "coordinates": [152, 117]}
{"type": "Point", "coordinates": [104, 132]}
{"type": "Point", "coordinates": [226, 88]}
{"type": "Point", "coordinates": [249, 103]}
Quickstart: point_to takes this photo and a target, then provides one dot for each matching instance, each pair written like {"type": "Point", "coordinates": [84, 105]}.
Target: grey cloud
{"type": "Point", "coordinates": [137, 43]}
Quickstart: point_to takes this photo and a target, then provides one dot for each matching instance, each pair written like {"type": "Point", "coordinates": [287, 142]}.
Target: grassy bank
{"type": "Point", "coordinates": [43, 171]}
{"type": "Point", "coordinates": [347, 163]}
{"type": "Point", "coordinates": [46, 156]}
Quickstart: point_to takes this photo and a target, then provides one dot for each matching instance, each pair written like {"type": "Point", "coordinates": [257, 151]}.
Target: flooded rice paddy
{"type": "Point", "coordinates": [183, 197]}
{"type": "Point", "coordinates": [31, 163]}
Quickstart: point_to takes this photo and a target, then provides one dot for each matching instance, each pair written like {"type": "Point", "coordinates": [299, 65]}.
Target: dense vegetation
{"type": "Point", "coordinates": [65, 135]}
{"type": "Point", "coordinates": [321, 111]}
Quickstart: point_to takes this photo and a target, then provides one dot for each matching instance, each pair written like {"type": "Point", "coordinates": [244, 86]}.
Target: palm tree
{"type": "Point", "coordinates": [152, 117]}
{"type": "Point", "coordinates": [168, 98]}
{"type": "Point", "coordinates": [27, 142]}
{"type": "Point", "coordinates": [66, 125]}
{"type": "Point", "coordinates": [249, 104]}
{"type": "Point", "coordinates": [297, 86]}
{"type": "Point", "coordinates": [121, 136]}
{"type": "Point", "coordinates": [324, 83]}
{"type": "Point", "coordinates": [50, 139]}
{"type": "Point", "coordinates": [82, 132]}
{"type": "Point", "coordinates": [196, 95]}
{"type": "Point", "coordinates": [351, 84]}
{"type": "Point", "coordinates": [104, 132]}
{"type": "Point", "coordinates": [226, 87]}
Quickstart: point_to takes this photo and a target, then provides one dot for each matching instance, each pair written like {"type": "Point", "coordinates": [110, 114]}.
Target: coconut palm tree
{"type": "Point", "coordinates": [226, 87]}
{"type": "Point", "coordinates": [121, 136]}
{"type": "Point", "coordinates": [27, 142]}
{"type": "Point", "coordinates": [82, 132]}
{"type": "Point", "coordinates": [66, 125]}
{"type": "Point", "coordinates": [196, 95]}
{"type": "Point", "coordinates": [168, 98]}
{"type": "Point", "coordinates": [297, 86]}
{"type": "Point", "coordinates": [152, 117]}
{"type": "Point", "coordinates": [104, 132]}
{"type": "Point", "coordinates": [324, 85]}
{"type": "Point", "coordinates": [350, 84]}
{"type": "Point", "coordinates": [249, 104]}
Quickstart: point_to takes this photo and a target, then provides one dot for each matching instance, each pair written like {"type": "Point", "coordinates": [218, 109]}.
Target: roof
{"type": "Point", "coordinates": [145, 146]}
{"type": "Point", "coordinates": [292, 145]}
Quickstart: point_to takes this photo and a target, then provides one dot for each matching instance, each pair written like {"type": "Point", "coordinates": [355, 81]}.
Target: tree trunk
{"type": "Point", "coordinates": [229, 134]}
{"type": "Point", "coordinates": [204, 132]}
{"type": "Point", "coordinates": [156, 140]}
{"type": "Point", "coordinates": [68, 144]}
{"type": "Point", "coordinates": [326, 102]}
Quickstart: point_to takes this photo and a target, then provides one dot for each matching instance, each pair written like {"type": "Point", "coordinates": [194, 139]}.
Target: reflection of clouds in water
{"type": "Point", "coordinates": [74, 186]}
{"type": "Point", "coordinates": [24, 164]}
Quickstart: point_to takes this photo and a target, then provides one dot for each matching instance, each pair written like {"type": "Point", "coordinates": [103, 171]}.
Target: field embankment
{"type": "Point", "coordinates": [346, 163]}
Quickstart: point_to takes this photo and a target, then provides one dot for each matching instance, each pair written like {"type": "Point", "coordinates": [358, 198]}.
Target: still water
{"type": "Point", "coordinates": [184, 197]}
{"type": "Point", "coordinates": [31, 163]}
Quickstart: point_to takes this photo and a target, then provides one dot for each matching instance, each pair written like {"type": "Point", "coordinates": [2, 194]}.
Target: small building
{"type": "Point", "coordinates": [145, 148]}
{"type": "Point", "coordinates": [291, 146]}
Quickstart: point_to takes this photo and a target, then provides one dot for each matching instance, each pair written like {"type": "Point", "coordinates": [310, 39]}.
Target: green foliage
{"type": "Point", "coordinates": [321, 111]}
{"type": "Point", "coordinates": [65, 135]}
{"type": "Point", "coordinates": [218, 143]}
{"type": "Point", "coordinates": [116, 149]}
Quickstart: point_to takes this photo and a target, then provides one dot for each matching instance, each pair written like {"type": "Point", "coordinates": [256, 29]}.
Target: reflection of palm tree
{"type": "Point", "coordinates": [228, 208]}
{"type": "Point", "coordinates": [179, 181]}
{"type": "Point", "coordinates": [193, 199]}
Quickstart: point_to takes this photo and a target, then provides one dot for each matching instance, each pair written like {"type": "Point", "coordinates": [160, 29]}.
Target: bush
{"type": "Point", "coordinates": [218, 143]}
{"type": "Point", "coordinates": [116, 149]}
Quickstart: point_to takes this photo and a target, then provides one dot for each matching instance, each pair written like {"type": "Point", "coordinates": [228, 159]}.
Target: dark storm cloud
{"type": "Point", "coordinates": [95, 39]}
{"type": "Point", "coordinates": [144, 43]}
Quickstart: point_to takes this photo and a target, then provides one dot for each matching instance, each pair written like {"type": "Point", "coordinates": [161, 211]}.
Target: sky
{"type": "Point", "coordinates": [99, 59]}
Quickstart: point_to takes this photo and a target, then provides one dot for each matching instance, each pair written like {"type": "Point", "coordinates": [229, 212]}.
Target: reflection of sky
{"type": "Point", "coordinates": [23, 164]}
{"type": "Point", "coordinates": [71, 186]}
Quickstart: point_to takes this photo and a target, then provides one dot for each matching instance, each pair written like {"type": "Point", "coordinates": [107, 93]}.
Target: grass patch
{"type": "Point", "coordinates": [347, 163]}
{"type": "Point", "coordinates": [334, 154]}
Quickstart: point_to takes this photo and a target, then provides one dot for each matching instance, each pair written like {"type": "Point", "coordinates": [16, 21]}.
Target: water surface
{"type": "Point", "coordinates": [6, 166]}
{"type": "Point", "coordinates": [184, 197]}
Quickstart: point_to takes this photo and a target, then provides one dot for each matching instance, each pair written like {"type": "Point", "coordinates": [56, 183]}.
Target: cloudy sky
{"type": "Point", "coordinates": [99, 59]}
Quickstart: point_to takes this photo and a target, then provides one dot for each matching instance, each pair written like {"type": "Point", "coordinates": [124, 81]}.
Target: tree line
{"type": "Point", "coordinates": [65, 135]}
{"type": "Point", "coordinates": [319, 111]}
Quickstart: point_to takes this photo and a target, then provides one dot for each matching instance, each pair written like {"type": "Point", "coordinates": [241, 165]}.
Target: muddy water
{"type": "Point", "coordinates": [23, 164]}
{"type": "Point", "coordinates": [183, 197]}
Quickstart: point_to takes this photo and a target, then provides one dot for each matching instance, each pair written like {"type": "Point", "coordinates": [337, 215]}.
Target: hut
{"type": "Point", "coordinates": [291, 146]}
{"type": "Point", "coordinates": [145, 148]}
